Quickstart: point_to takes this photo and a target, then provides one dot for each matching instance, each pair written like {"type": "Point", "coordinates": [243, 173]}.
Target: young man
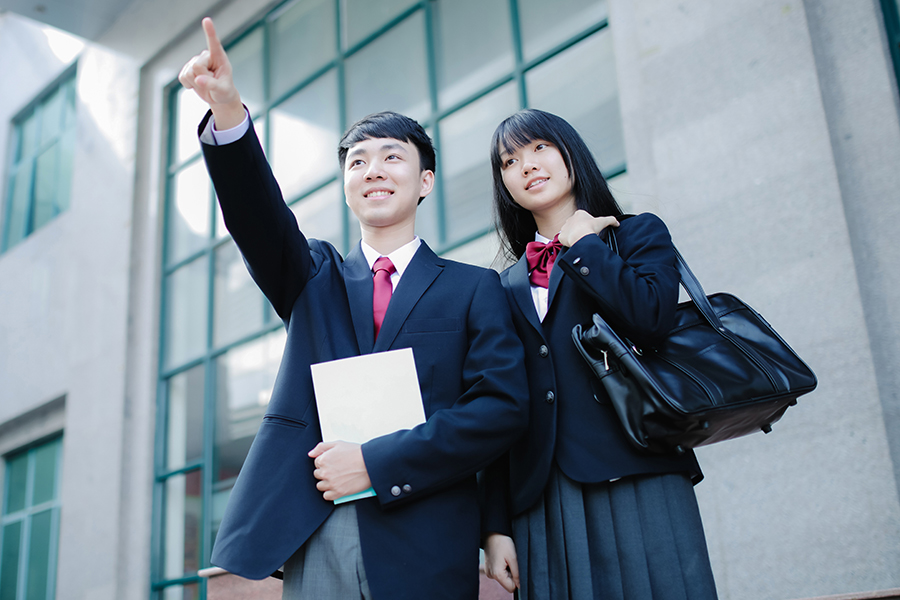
{"type": "Point", "coordinates": [419, 536]}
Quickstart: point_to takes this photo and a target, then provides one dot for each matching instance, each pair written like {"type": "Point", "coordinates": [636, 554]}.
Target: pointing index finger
{"type": "Point", "coordinates": [216, 51]}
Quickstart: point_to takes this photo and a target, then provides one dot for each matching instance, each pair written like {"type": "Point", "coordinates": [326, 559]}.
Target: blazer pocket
{"type": "Point", "coordinates": [431, 325]}
{"type": "Point", "coordinates": [284, 421]}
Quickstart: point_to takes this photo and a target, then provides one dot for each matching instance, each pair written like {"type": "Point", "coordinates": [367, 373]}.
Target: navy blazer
{"type": "Point", "coordinates": [571, 419]}
{"type": "Point", "coordinates": [420, 535]}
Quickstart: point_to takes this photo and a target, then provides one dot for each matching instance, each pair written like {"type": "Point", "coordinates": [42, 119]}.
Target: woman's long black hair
{"type": "Point", "coordinates": [516, 224]}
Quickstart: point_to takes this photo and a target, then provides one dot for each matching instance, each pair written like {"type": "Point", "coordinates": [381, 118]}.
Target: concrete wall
{"type": "Point", "coordinates": [765, 133]}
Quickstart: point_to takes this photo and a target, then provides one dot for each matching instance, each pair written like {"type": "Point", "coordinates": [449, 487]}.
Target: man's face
{"type": "Point", "coordinates": [383, 182]}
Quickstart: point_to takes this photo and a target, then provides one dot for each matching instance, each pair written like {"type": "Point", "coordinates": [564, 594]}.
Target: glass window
{"type": "Point", "coordinates": [320, 215]}
{"type": "Point", "coordinates": [190, 110]}
{"type": "Point", "coordinates": [186, 312]}
{"type": "Point", "coordinates": [545, 25]}
{"type": "Point", "coordinates": [365, 17]}
{"type": "Point", "coordinates": [184, 418]}
{"type": "Point", "coordinates": [184, 512]}
{"type": "Point", "coordinates": [464, 67]}
{"type": "Point", "coordinates": [9, 560]}
{"type": "Point", "coordinates": [238, 305]}
{"type": "Point", "coordinates": [244, 380]}
{"type": "Point", "coordinates": [390, 73]}
{"type": "Point", "coordinates": [466, 165]}
{"type": "Point", "coordinates": [188, 213]}
{"type": "Point", "coordinates": [190, 591]}
{"type": "Point", "coordinates": [580, 86]}
{"type": "Point", "coordinates": [309, 69]}
{"type": "Point", "coordinates": [305, 134]}
{"type": "Point", "coordinates": [40, 174]}
{"type": "Point", "coordinates": [246, 58]}
{"type": "Point", "coordinates": [892, 25]}
{"type": "Point", "coordinates": [303, 41]}
{"type": "Point", "coordinates": [30, 523]}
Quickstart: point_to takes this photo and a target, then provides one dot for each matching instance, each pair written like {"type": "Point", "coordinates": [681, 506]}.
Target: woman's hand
{"type": "Point", "coordinates": [500, 563]}
{"type": "Point", "coordinates": [581, 224]}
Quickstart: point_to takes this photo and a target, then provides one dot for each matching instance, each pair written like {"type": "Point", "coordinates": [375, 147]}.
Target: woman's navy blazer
{"type": "Point", "coordinates": [571, 419]}
{"type": "Point", "coordinates": [420, 535]}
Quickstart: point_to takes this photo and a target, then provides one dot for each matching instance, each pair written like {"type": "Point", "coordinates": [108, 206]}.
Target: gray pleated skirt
{"type": "Point", "coordinates": [638, 538]}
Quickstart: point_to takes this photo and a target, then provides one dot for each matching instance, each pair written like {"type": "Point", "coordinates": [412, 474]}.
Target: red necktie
{"type": "Point", "coordinates": [540, 257]}
{"type": "Point", "coordinates": [382, 290]}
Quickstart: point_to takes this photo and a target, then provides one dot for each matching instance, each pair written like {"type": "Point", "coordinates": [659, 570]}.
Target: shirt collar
{"type": "Point", "coordinates": [539, 238]}
{"type": "Point", "coordinates": [401, 257]}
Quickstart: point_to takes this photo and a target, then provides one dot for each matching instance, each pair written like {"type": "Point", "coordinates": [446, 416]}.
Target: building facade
{"type": "Point", "coordinates": [136, 355]}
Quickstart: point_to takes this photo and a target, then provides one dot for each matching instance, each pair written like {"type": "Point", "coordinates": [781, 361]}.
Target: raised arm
{"type": "Point", "coordinates": [209, 75]}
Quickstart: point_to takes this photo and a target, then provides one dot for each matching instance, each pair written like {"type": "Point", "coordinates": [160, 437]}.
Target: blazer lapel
{"type": "Point", "coordinates": [421, 272]}
{"type": "Point", "coordinates": [521, 291]}
{"type": "Point", "coordinates": [358, 281]}
{"type": "Point", "coordinates": [556, 275]}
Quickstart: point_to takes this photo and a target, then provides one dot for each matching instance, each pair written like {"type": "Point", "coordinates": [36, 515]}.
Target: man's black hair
{"type": "Point", "coordinates": [392, 125]}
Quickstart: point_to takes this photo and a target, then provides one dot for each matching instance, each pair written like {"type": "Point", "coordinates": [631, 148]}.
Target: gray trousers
{"type": "Point", "coordinates": [329, 565]}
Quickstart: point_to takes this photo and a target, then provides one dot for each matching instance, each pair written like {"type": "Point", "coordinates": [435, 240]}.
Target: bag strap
{"type": "Point", "coordinates": [690, 283]}
{"type": "Point", "coordinates": [688, 280]}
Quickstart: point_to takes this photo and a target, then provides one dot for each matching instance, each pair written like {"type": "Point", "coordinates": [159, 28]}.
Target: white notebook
{"type": "Point", "coordinates": [364, 397]}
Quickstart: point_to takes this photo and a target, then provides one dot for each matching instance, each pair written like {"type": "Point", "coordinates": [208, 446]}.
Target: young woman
{"type": "Point", "coordinates": [590, 516]}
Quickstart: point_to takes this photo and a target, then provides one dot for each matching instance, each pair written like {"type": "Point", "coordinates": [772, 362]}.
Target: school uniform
{"type": "Point", "coordinates": [591, 516]}
{"type": "Point", "coordinates": [419, 536]}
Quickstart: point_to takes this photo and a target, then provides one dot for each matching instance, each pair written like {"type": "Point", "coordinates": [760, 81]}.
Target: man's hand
{"type": "Point", "coordinates": [209, 75]}
{"type": "Point", "coordinates": [581, 224]}
{"type": "Point", "coordinates": [340, 469]}
{"type": "Point", "coordinates": [500, 562]}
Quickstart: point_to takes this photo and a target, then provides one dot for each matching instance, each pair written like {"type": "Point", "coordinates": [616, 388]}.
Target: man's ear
{"type": "Point", "coordinates": [427, 180]}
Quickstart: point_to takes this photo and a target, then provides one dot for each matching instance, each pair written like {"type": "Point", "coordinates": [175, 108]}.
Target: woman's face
{"type": "Point", "coordinates": [537, 179]}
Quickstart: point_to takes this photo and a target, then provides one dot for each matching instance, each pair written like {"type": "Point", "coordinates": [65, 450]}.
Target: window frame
{"type": "Point", "coordinates": [66, 80]}
{"type": "Point", "coordinates": [891, 13]}
{"type": "Point", "coordinates": [27, 513]}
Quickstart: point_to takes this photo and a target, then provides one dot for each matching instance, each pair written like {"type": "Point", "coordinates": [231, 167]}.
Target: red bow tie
{"type": "Point", "coordinates": [540, 257]}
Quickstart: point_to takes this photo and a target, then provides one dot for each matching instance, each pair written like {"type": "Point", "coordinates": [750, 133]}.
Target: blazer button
{"type": "Point", "coordinates": [407, 488]}
{"type": "Point", "coordinates": [550, 397]}
{"type": "Point", "coordinates": [585, 271]}
{"type": "Point", "coordinates": [544, 351]}
{"type": "Point", "coordinates": [395, 491]}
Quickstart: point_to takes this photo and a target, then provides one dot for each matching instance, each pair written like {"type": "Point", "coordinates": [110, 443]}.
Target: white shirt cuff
{"type": "Point", "coordinates": [212, 137]}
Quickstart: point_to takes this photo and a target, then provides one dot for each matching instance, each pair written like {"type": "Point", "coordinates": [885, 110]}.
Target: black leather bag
{"type": "Point", "coordinates": [722, 372]}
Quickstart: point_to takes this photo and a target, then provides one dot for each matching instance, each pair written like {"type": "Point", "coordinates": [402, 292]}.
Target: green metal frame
{"type": "Point", "coordinates": [892, 26]}
{"type": "Point", "coordinates": [443, 244]}
{"type": "Point", "coordinates": [24, 516]}
{"type": "Point", "coordinates": [34, 108]}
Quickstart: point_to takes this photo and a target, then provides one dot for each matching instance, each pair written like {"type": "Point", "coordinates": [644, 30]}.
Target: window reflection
{"type": "Point", "coordinates": [580, 86]}
{"type": "Point", "coordinates": [547, 24]}
{"type": "Point", "coordinates": [184, 425]}
{"type": "Point", "coordinates": [186, 312]}
{"type": "Point", "coordinates": [465, 141]}
{"type": "Point", "coordinates": [244, 380]}
{"type": "Point", "coordinates": [465, 67]}
{"type": "Point", "coordinates": [184, 511]}
{"type": "Point", "coordinates": [401, 52]}
{"type": "Point", "coordinates": [320, 214]}
{"type": "Point", "coordinates": [191, 110]}
{"type": "Point", "coordinates": [238, 305]}
{"type": "Point", "coordinates": [303, 41]}
{"type": "Point", "coordinates": [189, 212]}
{"type": "Point", "coordinates": [190, 591]}
{"type": "Point", "coordinates": [365, 17]}
{"type": "Point", "coordinates": [305, 135]}
{"type": "Point", "coordinates": [247, 66]}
